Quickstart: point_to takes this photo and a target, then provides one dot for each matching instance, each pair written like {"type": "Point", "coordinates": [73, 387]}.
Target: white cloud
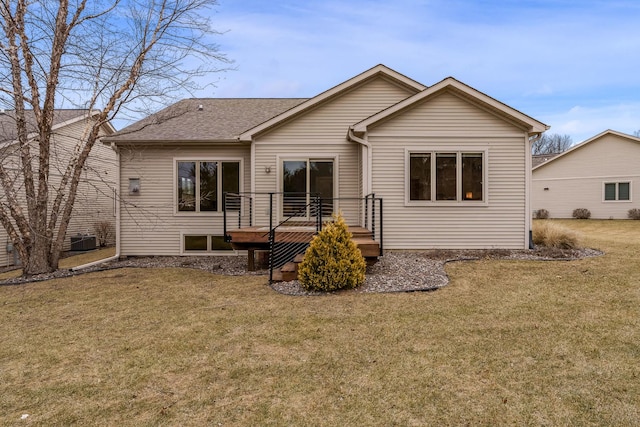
{"type": "Point", "coordinates": [542, 57]}
{"type": "Point", "coordinates": [583, 122]}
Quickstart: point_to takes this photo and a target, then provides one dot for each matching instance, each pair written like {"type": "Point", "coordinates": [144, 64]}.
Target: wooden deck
{"type": "Point", "coordinates": [256, 238]}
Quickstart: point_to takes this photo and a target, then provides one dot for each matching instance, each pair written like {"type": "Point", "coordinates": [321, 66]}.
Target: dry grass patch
{"type": "Point", "coordinates": [506, 343]}
{"type": "Point", "coordinates": [69, 262]}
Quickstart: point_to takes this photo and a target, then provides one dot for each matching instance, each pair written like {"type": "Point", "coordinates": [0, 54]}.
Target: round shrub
{"type": "Point", "coordinates": [542, 214]}
{"type": "Point", "coordinates": [633, 213]}
{"type": "Point", "coordinates": [332, 261]}
{"type": "Point", "coordinates": [581, 213]}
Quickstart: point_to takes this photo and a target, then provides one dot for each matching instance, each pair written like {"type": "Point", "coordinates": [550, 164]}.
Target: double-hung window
{"type": "Point", "coordinates": [617, 191]}
{"type": "Point", "coordinates": [201, 184]}
{"type": "Point", "coordinates": [443, 176]}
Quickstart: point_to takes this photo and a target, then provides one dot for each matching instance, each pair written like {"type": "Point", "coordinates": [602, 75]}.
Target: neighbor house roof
{"type": "Point", "coordinates": [204, 120]}
{"type": "Point", "coordinates": [588, 141]}
{"type": "Point", "coordinates": [449, 83]}
{"type": "Point", "coordinates": [61, 117]}
{"type": "Point", "coordinates": [538, 159]}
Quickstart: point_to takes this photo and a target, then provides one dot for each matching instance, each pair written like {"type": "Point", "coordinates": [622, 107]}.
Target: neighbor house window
{"type": "Point", "coordinates": [620, 191]}
{"type": "Point", "coordinates": [446, 176]}
{"type": "Point", "coordinates": [204, 243]}
{"type": "Point", "coordinates": [201, 184]}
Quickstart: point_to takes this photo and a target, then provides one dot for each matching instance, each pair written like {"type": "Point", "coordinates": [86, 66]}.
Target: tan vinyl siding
{"type": "Point", "coordinates": [149, 222]}
{"type": "Point", "coordinates": [94, 199]}
{"type": "Point", "coordinates": [321, 133]}
{"type": "Point", "coordinates": [576, 180]}
{"type": "Point", "coordinates": [444, 123]}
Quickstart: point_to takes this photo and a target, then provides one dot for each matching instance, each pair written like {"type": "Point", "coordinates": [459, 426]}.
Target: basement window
{"type": "Point", "coordinates": [202, 243]}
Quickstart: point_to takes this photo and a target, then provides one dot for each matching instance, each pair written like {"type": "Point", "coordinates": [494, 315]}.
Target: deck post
{"type": "Point", "coordinates": [373, 214]}
{"type": "Point", "coordinates": [318, 213]}
{"type": "Point", "coordinates": [271, 238]}
{"type": "Point", "coordinates": [224, 220]}
{"type": "Point", "coordinates": [381, 230]}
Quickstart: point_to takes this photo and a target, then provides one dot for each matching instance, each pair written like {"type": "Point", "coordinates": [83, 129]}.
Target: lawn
{"type": "Point", "coordinates": [505, 343]}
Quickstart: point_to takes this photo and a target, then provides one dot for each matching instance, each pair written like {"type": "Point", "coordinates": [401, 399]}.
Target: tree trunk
{"type": "Point", "coordinates": [40, 260]}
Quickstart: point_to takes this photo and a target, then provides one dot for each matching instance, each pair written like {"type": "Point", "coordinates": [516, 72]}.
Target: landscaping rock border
{"type": "Point", "coordinates": [396, 271]}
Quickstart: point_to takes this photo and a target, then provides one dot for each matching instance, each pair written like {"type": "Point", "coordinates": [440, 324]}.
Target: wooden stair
{"type": "Point", "coordinates": [369, 248]}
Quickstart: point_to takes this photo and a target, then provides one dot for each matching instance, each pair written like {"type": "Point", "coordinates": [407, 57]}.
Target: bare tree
{"type": "Point", "coordinates": [637, 133]}
{"type": "Point", "coordinates": [116, 56]}
{"type": "Point", "coordinates": [550, 144]}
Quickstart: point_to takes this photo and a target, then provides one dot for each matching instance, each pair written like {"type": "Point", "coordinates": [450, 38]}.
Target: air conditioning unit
{"type": "Point", "coordinates": [83, 242]}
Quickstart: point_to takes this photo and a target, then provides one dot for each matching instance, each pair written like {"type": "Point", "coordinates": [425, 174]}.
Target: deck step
{"type": "Point", "coordinates": [368, 247]}
{"type": "Point", "coordinates": [289, 271]}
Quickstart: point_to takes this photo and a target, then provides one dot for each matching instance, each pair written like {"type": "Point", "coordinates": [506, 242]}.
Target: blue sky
{"type": "Point", "coordinates": [574, 65]}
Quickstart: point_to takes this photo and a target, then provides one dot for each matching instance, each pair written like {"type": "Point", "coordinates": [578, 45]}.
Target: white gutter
{"type": "Point", "coordinates": [117, 202]}
{"type": "Point", "coordinates": [366, 170]}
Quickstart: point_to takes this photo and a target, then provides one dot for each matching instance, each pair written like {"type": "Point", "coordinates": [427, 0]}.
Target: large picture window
{"type": "Point", "coordinates": [617, 191]}
{"type": "Point", "coordinates": [446, 176]}
{"type": "Point", "coordinates": [201, 184]}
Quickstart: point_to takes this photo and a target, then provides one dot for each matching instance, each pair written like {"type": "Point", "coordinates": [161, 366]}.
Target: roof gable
{"type": "Point", "coordinates": [464, 91]}
{"type": "Point", "coordinates": [587, 142]}
{"type": "Point", "coordinates": [61, 118]}
{"type": "Point", "coordinates": [377, 71]}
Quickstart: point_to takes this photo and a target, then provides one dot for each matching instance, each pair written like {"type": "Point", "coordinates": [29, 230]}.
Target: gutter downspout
{"type": "Point", "coordinates": [117, 202]}
{"type": "Point", "coordinates": [366, 179]}
{"type": "Point", "coordinates": [532, 140]}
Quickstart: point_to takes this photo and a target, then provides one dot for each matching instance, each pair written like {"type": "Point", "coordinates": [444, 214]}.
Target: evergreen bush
{"type": "Point", "coordinates": [332, 261]}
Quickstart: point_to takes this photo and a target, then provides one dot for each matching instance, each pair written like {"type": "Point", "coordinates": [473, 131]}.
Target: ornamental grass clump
{"type": "Point", "coordinates": [552, 235]}
{"type": "Point", "coordinates": [332, 261]}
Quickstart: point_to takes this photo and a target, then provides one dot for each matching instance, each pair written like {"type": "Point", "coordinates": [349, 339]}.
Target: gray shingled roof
{"type": "Point", "coordinates": [8, 125]}
{"type": "Point", "coordinates": [538, 159]}
{"type": "Point", "coordinates": [219, 119]}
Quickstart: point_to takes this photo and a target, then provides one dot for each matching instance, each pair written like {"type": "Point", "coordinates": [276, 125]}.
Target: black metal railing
{"type": "Point", "coordinates": [302, 216]}
{"type": "Point", "coordinates": [237, 212]}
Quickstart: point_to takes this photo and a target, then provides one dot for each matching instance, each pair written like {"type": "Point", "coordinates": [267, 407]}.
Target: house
{"type": "Point", "coordinates": [600, 174]}
{"type": "Point", "coordinates": [451, 164]}
{"type": "Point", "coordinates": [95, 197]}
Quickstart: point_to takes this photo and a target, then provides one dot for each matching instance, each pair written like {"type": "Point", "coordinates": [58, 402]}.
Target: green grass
{"type": "Point", "coordinates": [506, 343]}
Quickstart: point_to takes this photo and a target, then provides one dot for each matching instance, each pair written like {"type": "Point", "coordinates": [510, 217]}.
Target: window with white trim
{"type": "Point", "coordinates": [201, 184]}
{"type": "Point", "coordinates": [617, 191]}
{"type": "Point", "coordinates": [446, 176]}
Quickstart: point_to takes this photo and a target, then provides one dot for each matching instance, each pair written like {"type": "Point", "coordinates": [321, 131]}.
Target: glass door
{"type": "Point", "coordinates": [302, 180]}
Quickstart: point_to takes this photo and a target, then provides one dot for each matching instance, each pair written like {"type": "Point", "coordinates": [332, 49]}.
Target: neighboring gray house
{"type": "Point", "coordinates": [95, 198]}
{"type": "Point", "coordinates": [600, 174]}
{"type": "Point", "coordinates": [452, 165]}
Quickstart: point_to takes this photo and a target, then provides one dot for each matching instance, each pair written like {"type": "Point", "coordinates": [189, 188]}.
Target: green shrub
{"type": "Point", "coordinates": [332, 261]}
{"type": "Point", "coordinates": [553, 235]}
{"type": "Point", "coordinates": [581, 213]}
{"type": "Point", "coordinates": [633, 213]}
{"type": "Point", "coordinates": [542, 214]}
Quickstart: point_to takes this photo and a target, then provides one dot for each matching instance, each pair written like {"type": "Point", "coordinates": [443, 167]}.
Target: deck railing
{"type": "Point", "coordinates": [293, 217]}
